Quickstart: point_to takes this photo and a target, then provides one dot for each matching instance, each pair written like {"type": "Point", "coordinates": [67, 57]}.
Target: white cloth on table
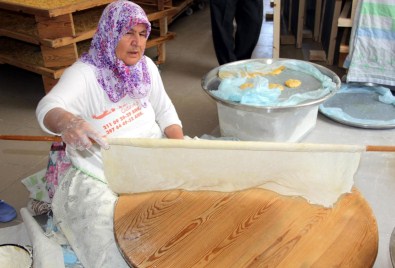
{"type": "Point", "coordinates": [371, 57]}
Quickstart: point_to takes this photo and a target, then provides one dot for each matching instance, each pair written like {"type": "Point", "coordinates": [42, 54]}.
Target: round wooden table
{"type": "Point", "coordinates": [249, 228]}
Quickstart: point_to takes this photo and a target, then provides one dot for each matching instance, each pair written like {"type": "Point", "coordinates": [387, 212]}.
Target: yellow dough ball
{"type": "Point", "coordinates": [246, 85]}
{"type": "Point", "coordinates": [292, 83]}
{"type": "Point", "coordinates": [278, 70]}
{"type": "Point", "coordinates": [272, 85]}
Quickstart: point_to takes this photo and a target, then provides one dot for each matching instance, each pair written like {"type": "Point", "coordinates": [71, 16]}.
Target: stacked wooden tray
{"type": "Point", "coordinates": [45, 36]}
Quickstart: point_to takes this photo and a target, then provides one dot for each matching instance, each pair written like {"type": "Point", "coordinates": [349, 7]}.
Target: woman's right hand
{"type": "Point", "coordinates": [77, 133]}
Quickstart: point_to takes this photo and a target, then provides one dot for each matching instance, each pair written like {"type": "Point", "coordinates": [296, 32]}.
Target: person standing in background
{"type": "Point", "coordinates": [229, 45]}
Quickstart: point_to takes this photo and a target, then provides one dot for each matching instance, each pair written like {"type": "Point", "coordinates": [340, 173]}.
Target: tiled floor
{"type": "Point", "coordinates": [265, 42]}
{"type": "Point", "coordinates": [189, 57]}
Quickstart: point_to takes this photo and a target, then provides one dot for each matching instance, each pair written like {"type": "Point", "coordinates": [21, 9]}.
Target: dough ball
{"type": "Point", "coordinates": [272, 85]}
{"type": "Point", "coordinates": [292, 83]}
{"type": "Point", "coordinates": [246, 85]}
{"type": "Point", "coordinates": [278, 70]}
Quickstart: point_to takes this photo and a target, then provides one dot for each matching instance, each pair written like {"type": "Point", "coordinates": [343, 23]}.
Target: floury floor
{"type": "Point", "coordinates": [189, 57]}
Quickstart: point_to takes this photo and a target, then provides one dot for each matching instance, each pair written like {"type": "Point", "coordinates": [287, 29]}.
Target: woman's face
{"type": "Point", "coordinates": [131, 47]}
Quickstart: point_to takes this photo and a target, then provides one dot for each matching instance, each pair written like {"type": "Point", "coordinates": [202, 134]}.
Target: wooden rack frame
{"type": "Point", "coordinates": [51, 35]}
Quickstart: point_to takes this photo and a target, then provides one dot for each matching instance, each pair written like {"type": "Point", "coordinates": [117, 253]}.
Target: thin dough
{"type": "Point", "coordinates": [320, 173]}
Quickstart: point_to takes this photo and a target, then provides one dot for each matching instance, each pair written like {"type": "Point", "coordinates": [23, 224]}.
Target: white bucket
{"type": "Point", "coordinates": [267, 125]}
{"type": "Point", "coordinates": [15, 256]}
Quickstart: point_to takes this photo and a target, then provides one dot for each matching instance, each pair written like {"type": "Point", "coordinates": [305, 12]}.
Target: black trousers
{"type": "Point", "coordinates": [230, 45]}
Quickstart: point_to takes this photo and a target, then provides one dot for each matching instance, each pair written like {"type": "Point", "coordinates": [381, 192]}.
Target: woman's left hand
{"type": "Point", "coordinates": [174, 132]}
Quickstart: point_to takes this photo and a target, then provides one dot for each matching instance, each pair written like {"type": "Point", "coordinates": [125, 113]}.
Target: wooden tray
{"type": "Point", "coordinates": [50, 8]}
{"type": "Point", "coordinates": [249, 228]}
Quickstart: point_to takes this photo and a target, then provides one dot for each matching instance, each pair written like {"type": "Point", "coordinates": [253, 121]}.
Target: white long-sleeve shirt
{"type": "Point", "coordinates": [78, 92]}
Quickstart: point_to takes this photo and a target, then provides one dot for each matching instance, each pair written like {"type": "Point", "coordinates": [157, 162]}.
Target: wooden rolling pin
{"type": "Point", "coordinates": [369, 148]}
{"type": "Point", "coordinates": [30, 138]}
{"type": "Point", "coordinates": [378, 148]}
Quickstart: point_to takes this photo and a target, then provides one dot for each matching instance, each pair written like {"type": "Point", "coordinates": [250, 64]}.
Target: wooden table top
{"type": "Point", "coordinates": [249, 228]}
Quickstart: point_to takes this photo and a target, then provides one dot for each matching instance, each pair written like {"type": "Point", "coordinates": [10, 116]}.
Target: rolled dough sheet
{"type": "Point", "coordinates": [318, 172]}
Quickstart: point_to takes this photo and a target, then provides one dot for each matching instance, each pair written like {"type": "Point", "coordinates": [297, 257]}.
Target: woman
{"type": "Point", "coordinates": [112, 91]}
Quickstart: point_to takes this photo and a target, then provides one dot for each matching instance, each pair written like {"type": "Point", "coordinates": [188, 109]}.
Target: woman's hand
{"type": "Point", "coordinates": [78, 135]}
{"type": "Point", "coordinates": [174, 132]}
{"type": "Point", "coordinates": [75, 131]}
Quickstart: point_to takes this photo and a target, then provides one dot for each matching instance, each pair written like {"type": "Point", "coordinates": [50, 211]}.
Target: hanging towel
{"type": "Point", "coordinates": [372, 43]}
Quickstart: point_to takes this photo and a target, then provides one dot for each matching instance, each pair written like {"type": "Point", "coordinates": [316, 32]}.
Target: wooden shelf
{"type": "Point", "coordinates": [329, 16]}
{"type": "Point", "coordinates": [53, 34]}
{"type": "Point", "coordinates": [50, 8]}
{"type": "Point", "coordinates": [176, 6]}
{"type": "Point", "coordinates": [28, 56]}
{"type": "Point", "coordinates": [22, 27]}
{"type": "Point", "coordinates": [180, 6]}
{"type": "Point", "coordinates": [345, 20]}
{"type": "Point", "coordinates": [154, 4]}
{"type": "Point", "coordinates": [25, 56]}
{"type": "Point", "coordinates": [346, 17]}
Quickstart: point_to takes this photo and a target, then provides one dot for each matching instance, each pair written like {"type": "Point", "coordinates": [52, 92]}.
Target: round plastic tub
{"type": "Point", "coordinates": [268, 123]}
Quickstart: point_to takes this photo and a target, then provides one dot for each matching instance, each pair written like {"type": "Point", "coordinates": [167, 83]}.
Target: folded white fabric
{"type": "Point", "coordinates": [371, 58]}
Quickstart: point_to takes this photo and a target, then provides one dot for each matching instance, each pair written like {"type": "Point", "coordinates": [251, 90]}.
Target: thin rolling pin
{"type": "Point", "coordinates": [378, 148]}
{"type": "Point", "coordinates": [30, 138]}
{"type": "Point", "coordinates": [369, 148]}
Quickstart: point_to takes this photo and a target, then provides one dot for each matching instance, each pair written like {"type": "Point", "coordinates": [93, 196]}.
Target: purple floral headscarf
{"type": "Point", "coordinates": [116, 78]}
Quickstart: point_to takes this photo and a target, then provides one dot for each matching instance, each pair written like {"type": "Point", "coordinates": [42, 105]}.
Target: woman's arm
{"type": "Point", "coordinates": [165, 112]}
{"type": "Point", "coordinates": [174, 132]}
{"type": "Point", "coordinates": [60, 111]}
{"type": "Point", "coordinates": [56, 119]}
